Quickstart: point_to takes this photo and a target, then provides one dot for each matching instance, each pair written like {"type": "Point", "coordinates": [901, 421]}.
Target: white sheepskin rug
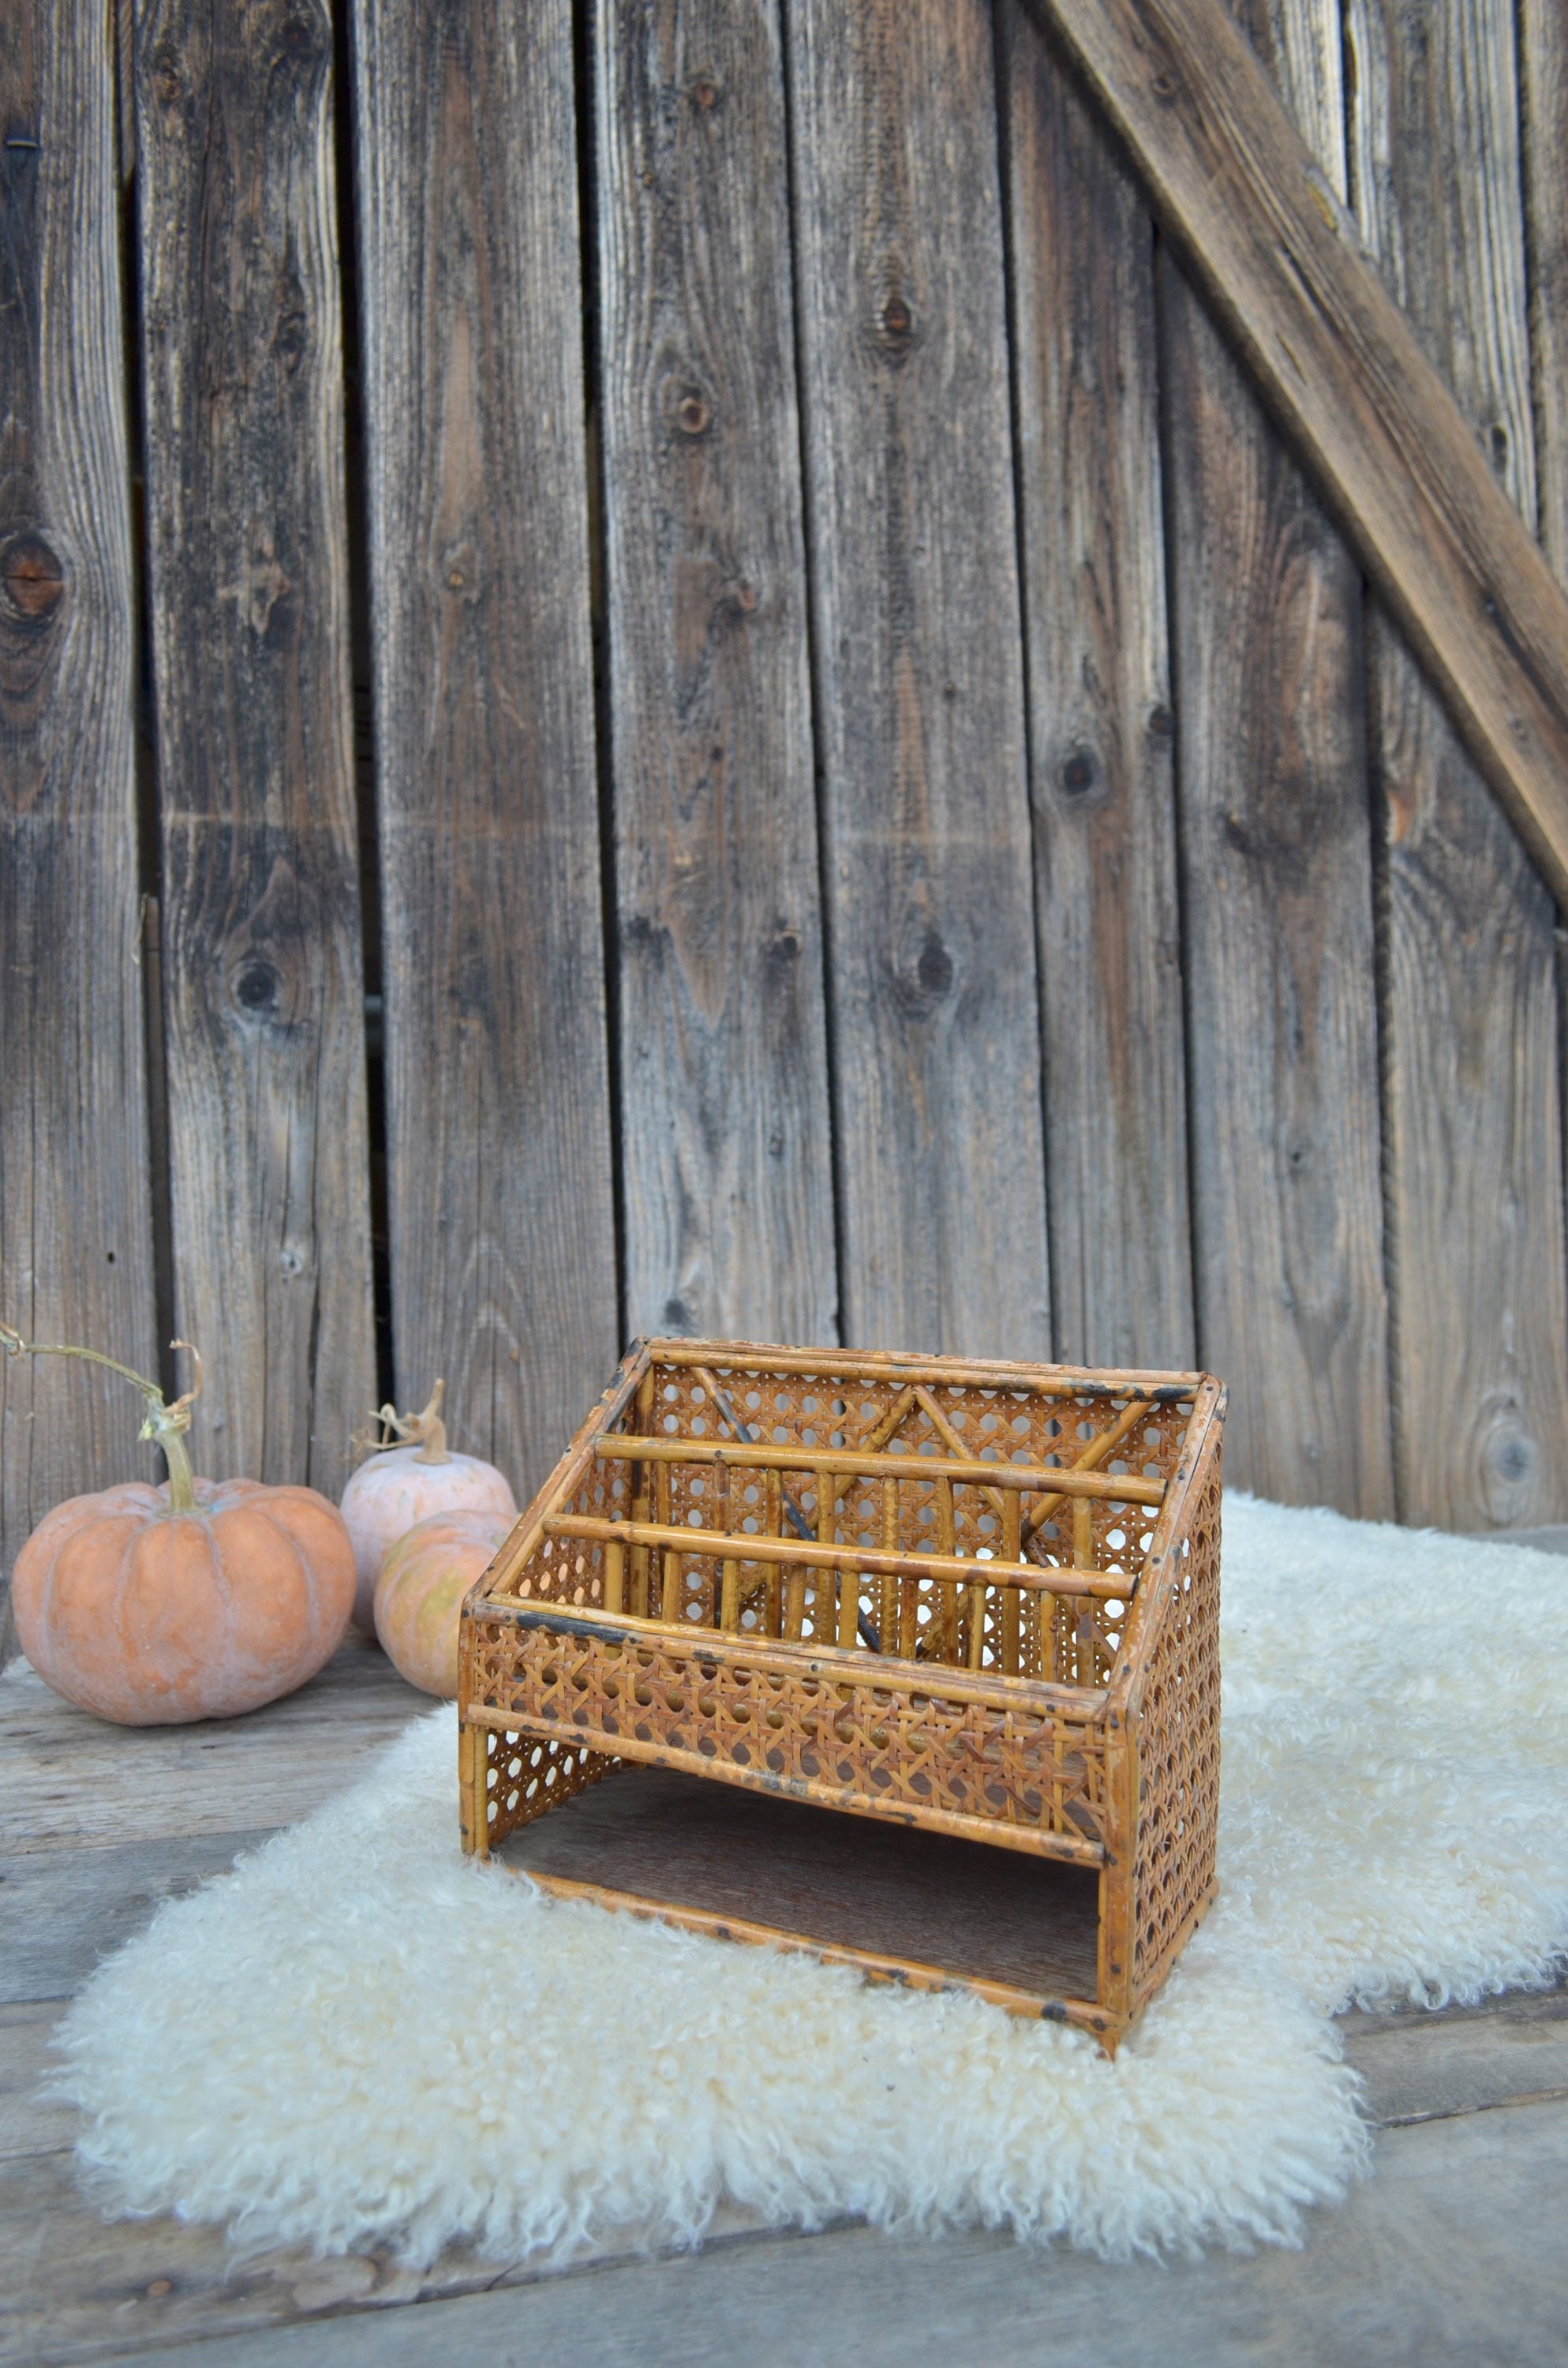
{"type": "Point", "coordinates": [358, 2039]}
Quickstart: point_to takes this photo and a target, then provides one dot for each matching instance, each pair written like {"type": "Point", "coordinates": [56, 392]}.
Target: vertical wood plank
{"type": "Point", "coordinates": [1100, 726]}
{"type": "Point", "coordinates": [1277, 902]}
{"type": "Point", "coordinates": [249, 617]}
{"type": "Point", "coordinates": [912, 539]}
{"type": "Point", "coordinates": [1475, 1156]}
{"type": "Point", "coordinates": [1543, 73]}
{"type": "Point", "coordinates": [725, 1100]}
{"type": "Point", "coordinates": [503, 1249]}
{"type": "Point", "coordinates": [75, 1230]}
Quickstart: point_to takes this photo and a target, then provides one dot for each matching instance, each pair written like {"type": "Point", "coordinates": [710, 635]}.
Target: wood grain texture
{"type": "Point", "coordinates": [919, 695]}
{"type": "Point", "coordinates": [684, 1841]}
{"type": "Point", "coordinates": [1420, 2068]}
{"type": "Point", "coordinates": [74, 2287]}
{"type": "Point", "coordinates": [725, 1120]}
{"type": "Point", "coordinates": [1277, 850]}
{"type": "Point", "coordinates": [1457, 2235]}
{"type": "Point", "coordinates": [502, 1248]}
{"type": "Point", "coordinates": [247, 586]}
{"type": "Point", "coordinates": [1474, 1123]}
{"type": "Point", "coordinates": [1343, 370]}
{"type": "Point", "coordinates": [30, 2122]}
{"type": "Point", "coordinates": [1300, 45]}
{"type": "Point", "coordinates": [75, 1226]}
{"type": "Point", "coordinates": [64, 1911]}
{"type": "Point", "coordinates": [1101, 734]}
{"type": "Point", "coordinates": [75, 1782]}
{"type": "Point", "coordinates": [1544, 77]}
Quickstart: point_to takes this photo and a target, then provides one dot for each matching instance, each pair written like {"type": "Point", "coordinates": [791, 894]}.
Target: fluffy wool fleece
{"type": "Point", "coordinates": [358, 2039]}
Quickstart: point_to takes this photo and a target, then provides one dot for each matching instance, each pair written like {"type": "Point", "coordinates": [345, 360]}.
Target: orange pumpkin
{"type": "Point", "coordinates": [420, 1592]}
{"type": "Point", "coordinates": [411, 1475]}
{"type": "Point", "coordinates": [196, 1600]}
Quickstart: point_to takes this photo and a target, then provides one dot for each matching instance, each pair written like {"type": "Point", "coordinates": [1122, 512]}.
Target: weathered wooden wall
{"type": "Point", "coordinates": [882, 805]}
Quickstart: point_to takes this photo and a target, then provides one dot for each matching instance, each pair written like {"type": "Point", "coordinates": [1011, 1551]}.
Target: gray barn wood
{"type": "Point", "coordinates": [503, 1245]}
{"type": "Point", "coordinates": [1101, 730]}
{"type": "Point", "coordinates": [1543, 107]}
{"type": "Point", "coordinates": [918, 677]}
{"type": "Point", "coordinates": [1278, 910]}
{"type": "Point", "coordinates": [1470, 1018]}
{"type": "Point", "coordinates": [75, 1226]}
{"type": "Point", "coordinates": [884, 803]}
{"type": "Point", "coordinates": [726, 1134]}
{"type": "Point", "coordinates": [247, 588]}
{"type": "Point", "coordinates": [1262, 223]}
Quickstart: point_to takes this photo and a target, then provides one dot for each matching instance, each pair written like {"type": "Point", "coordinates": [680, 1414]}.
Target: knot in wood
{"type": "Point", "coordinates": [165, 76]}
{"type": "Point", "coordinates": [34, 579]}
{"type": "Point", "coordinates": [935, 968]}
{"type": "Point", "coordinates": [299, 39]}
{"type": "Point", "coordinates": [257, 985]}
{"type": "Point", "coordinates": [705, 91]}
{"type": "Point", "coordinates": [693, 413]}
{"type": "Point", "coordinates": [895, 326]}
{"type": "Point", "coordinates": [1080, 773]}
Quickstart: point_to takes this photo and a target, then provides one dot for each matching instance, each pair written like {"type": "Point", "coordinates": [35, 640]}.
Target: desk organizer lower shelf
{"type": "Point", "coordinates": [973, 1606]}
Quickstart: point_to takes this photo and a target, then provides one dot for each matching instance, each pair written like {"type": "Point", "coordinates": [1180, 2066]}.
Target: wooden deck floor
{"type": "Point", "coordinates": [1456, 2253]}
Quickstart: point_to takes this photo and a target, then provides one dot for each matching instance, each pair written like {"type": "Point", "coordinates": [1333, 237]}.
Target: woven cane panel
{"type": "Point", "coordinates": [1074, 1642]}
{"type": "Point", "coordinates": [525, 1775]}
{"type": "Point", "coordinates": [1178, 1744]}
{"type": "Point", "coordinates": [571, 1570]}
{"type": "Point", "coordinates": [847, 1741]}
{"type": "Point", "coordinates": [1020, 1426]}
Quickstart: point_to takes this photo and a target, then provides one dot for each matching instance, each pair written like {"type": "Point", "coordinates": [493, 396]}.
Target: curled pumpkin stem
{"type": "Point", "coordinates": [164, 1426]}
{"type": "Point", "coordinates": [424, 1431]}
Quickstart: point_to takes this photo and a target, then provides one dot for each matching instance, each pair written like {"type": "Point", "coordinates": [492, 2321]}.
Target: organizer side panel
{"type": "Point", "coordinates": [1009, 1768]}
{"type": "Point", "coordinates": [1177, 1739]}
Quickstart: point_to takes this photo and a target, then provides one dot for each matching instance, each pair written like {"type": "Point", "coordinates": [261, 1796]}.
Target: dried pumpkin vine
{"type": "Point", "coordinates": [163, 1425]}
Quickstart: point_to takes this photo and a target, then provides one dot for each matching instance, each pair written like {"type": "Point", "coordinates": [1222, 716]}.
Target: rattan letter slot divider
{"type": "Point", "coordinates": [972, 1601]}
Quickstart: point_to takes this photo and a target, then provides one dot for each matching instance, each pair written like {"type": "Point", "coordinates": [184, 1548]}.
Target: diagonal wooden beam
{"type": "Point", "coordinates": [1339, 366]}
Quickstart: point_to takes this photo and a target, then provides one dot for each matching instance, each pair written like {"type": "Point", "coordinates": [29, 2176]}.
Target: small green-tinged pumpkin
{"type": "Point", "coordinates": [419, 1595]}
{"type": "Point", "coordinates": [154, 1606]}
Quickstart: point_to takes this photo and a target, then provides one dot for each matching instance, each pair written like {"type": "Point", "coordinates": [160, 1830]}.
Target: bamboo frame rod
{"type": "Point", "coordinates": [711, 1646]}
{"type": "Point", "coordinates": [1034, 1479]}
{"type": "Point", "coordinates": [1012, 1546]}
{"type": "Point", "coordinates": [833, 1367]}
{"type": "Point", "coordinates": [868, 1562]}
{"type": "Point", "coordinates": [669, 1568]}
{"type": "Point", "coordinates": [743, 1437]}
{"type": "Point", "coordinates": [946, 1538]}
{"type": "Point", "coordinates": [896, 1607]}
{"type": "Point", "coordinates": [640, 1505]}
{"type": "Point", "coordinates": [1088, 1464]}
{"type": "Point", "coordinates": [730, 1599]}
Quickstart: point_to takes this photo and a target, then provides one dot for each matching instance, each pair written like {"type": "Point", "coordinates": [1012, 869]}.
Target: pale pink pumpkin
{"type": "Point", "coordinates": [403, 1484]}
{"type": "Point", "coordinates": [199, 1600]}
{"type": "Point", "coordinates": [419, 1594]}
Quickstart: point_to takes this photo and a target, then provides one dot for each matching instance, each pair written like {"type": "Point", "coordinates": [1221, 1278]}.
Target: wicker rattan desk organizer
{"type": "Point", "coordinates": [979, 1599]}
